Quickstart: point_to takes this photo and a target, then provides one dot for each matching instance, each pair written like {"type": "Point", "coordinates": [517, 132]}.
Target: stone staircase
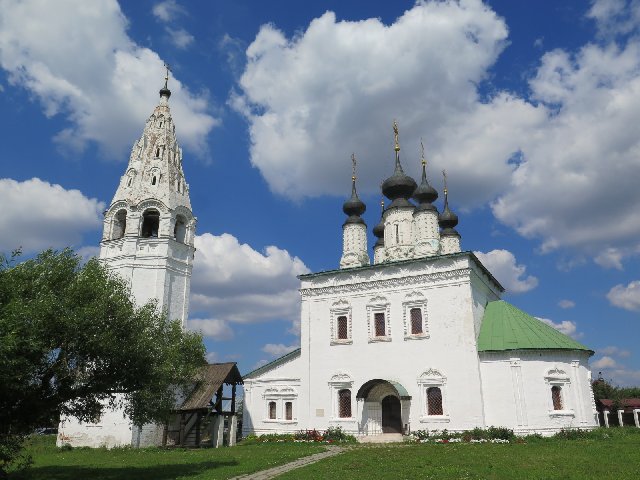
{"type": "Point", "coordinates": [381, 438]}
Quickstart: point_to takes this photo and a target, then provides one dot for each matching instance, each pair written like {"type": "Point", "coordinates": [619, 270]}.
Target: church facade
{"type": "Point", "coordinates": [148, 240]}
{"type": "Point", "coordinates": [418, 340]}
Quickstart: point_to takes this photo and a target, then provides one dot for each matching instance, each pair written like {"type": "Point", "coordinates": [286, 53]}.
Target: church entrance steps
{"type": "Point", "coordinates": [382, 438]}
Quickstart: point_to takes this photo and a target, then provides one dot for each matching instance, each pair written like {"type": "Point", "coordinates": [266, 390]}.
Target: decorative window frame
{"type": "Point", "coordinates": [433, 378]}
{"type": "Point", "coordinates": [340, 381]}
{"type": "Point", "coordinates": [558, 378]}
{"type": "Point", "coordinates": [379, 305]}
{"type": "Point", "coordinates": [338, 309]}
{"type": "Point", "coordinates": [280, 395]}
{"type": "Point", "coordinates": [415, 300]}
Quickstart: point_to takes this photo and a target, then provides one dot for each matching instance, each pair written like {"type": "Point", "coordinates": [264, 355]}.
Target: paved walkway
{"type": "Point", "coordinates": [301, 462]}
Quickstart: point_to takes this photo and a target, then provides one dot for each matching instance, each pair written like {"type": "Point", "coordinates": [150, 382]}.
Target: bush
{"type": "Point", "coordinates": [500, 433]}
{"type": "Point", "coordinates": [336, 434]}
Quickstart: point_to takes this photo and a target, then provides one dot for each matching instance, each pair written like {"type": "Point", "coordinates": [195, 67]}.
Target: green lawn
{"type": "Point", "coordinates": [605, 454]}
{"type": "Point", "coordinates": [616, 457]}
{"type": "Point", "coordinates": [51, 463]}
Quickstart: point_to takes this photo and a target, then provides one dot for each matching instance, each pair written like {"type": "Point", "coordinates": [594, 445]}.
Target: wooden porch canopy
{"type": "Point", "coordinates": [209, 381]}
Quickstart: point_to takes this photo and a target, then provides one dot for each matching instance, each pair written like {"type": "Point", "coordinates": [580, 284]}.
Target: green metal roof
{"type": "Point", "coordinates": [278, 361]}
{"type": "Point", "coordinates": [505, 327]}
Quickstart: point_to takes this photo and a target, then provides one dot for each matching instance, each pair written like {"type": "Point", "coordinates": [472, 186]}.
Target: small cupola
{"type": "Point", "coordinates": [378, 230]}
{"type": "Point", "coordinates": [354, 207]}
{"type": "Point", "coordinates": [399, 187]}
{"type": "Point", "coordinates": [447, 219]}
{"type": "Point", "coordinates": [424, 194]}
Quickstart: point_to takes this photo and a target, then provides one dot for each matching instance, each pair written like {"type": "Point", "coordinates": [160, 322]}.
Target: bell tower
{"type": "Point", "coordinates": [149, 228]}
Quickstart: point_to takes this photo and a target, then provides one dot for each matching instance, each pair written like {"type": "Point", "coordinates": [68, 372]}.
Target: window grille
{"type": "Point", "coordinates": [434, 401]}
{"type": "Point", "coordinates": [416, 321]}
{"type": "Point", "coordinates": [288, 411]}
{"type": "Point", "coordinates": [344, 403]}
{"type": "Point", "coordinates": [556, 396]}
{"type": "Point", "coordinates": [272, 410]}
{"type": "Point", "coordinates": [379, 324]}
{"type": "Point", "coordinates": [343, 333]}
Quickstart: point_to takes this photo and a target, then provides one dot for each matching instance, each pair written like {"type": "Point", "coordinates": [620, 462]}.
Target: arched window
{"type": "Point", "coordinates": [344, 403]}
{"type": "Point", "coordinates": [157, 152]}
{"type": "Point", "coordinates": [343, 328]}
{"type": "Point", "coordinates": [288, 410]}
{"type": "Point", "coordinates": [434, 401]}
{"type": "Point", "coordinates": [119, 225]}
{"type": "Point", "coordinates": [272, 410]}
{"type": "Point", "coordinates": [379, 324]}
{"type": "Point", "coordinates": [154, 180]}
{"type": "Point", "coordinates": [180, 229]}
{"type": "Point", "coordinates": [150, 223]}
{"type": "Point", "coordinates": [416, 320]}
{"type": "Point", "coordinates": [129, 181]}
{"type": "Point", "coordinates": [556, 397]}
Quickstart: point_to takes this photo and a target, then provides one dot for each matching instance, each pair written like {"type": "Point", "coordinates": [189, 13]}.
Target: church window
{"type": "Point", "coordinates": [288, 410]}
{"type": "Point", "coordinates": [380, 324]}
{"type": "Point", "coordinates": [129, 182]}
{"type": "Point", "coordinates": [416, 320]}
{"type": "Point", "coordinates": [150, 224]}
{"type": "Point", "coordinates": [344, 403]}
{"type": "Point", "coordinates": [157, 152]}
{"type": "Point", "coordinates": [153, 180]}
{"type": "Point", "coordinates": [434, 401]}
{"type": "Point", "coordinates": [180, 229]}
{"type": "Point", "coordinates": [119, 225]}
{"type": "Point", "coordinates": [272, 410]}
{"type": "Point", "coordinates": [397, 227]}
{"type": "Point", "coordinates": [160, 123]}
{"type": "Point", "coordinates": [343, 330]}
{"type": "Point", "coordinates": [556, 397]}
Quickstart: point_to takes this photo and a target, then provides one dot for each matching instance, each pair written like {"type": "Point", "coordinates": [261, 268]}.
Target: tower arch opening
{"type": "Point", "coordinates": [180, 229]}
{"type": "Point", "coordinates": [150, 223]}
{"type": "Point", "coordinates": [119, 224]}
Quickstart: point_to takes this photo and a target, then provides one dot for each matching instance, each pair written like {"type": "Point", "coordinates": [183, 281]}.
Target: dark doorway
{"type": "Point", "coordinates": [391, 417]}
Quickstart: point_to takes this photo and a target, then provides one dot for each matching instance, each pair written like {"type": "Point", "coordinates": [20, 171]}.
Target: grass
{"type": "Point", "coordinates": [602, 454]}
{"type": "Point", "coordinates": [51, 463]}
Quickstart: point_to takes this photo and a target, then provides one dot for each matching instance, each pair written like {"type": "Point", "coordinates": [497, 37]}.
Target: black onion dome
{"type": "Point", "coordinates": [425, 194]}
{"type": "Point", "coordinates": [378, 230]}
{"type": "Point", "coordinates": [354, 207]}
{"type": "Point", "coordinates": [165, 92]}
{"type": "Point", "coordinates": [447, 218]}
{"type": "Point", "coordinates": [399, 187]}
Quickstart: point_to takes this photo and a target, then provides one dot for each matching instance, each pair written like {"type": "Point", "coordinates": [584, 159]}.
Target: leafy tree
{"type": "Point", "coordinates": [72, 340]}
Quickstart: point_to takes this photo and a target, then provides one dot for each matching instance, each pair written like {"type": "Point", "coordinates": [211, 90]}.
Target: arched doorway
{"type": "Point", "coordinates": [391, 415]}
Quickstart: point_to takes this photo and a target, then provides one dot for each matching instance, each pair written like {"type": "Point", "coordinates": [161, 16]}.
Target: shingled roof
{"type": "Point", "coordinates": [208, 380]}
{"type": "Point", "coordinates": [505, 327]}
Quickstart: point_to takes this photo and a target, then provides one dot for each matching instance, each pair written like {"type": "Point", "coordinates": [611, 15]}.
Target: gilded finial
{"type": "Point", "coordinates": [422, 159]}
{"type": "Point", "coordinates": [382, 204]}
{"type": "Point", "coordinates": [353, 167]}
{"type": "Point", "coordinates": [444, 174]}
{"type": "Point", "coordinates": [395, 136]}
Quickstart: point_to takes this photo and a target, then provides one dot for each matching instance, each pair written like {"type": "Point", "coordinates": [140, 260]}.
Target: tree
{"type": "Point", "coordinates": [73, 341]}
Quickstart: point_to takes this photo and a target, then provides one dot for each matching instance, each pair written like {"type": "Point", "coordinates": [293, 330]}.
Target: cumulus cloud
{"type": "Point", "coordinates": [615, 17]}
{"type": "Point", "coordinates": [502, 264]}
{"type": "Point", "coordinates": [538, 159]}
{"type": "Point", "coordinates": [614, 351]}
{"type": "Point", "coordinates": [179, 37]}
{"type": "Point", "coordinates": [604, 362]}
{"type": "Point", "coordinates": [627, 297]}
{"type": "Point", "coordinates": [278, 349]}
{"type": "Point", "coordinates": [567, 327]}
{"type": "Point", "coordinates": [233, 282]}
{"type": "Point", "coordinates": [610, 258]}
{"type": "Point", "coordinates": [78, 62]}
{"type": "Point", "coordinates": [214, 328]}
{"type": "Point", "coordinates": [39, 215]}
{"type": "Point", "coordinates": [566, 303]}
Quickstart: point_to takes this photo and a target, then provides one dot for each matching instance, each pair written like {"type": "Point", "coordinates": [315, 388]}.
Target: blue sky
{"type": "Point", "coordinates": [532, 107]}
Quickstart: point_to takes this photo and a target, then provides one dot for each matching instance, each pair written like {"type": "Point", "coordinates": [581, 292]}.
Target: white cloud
{"type": "Point", "coordinates": [214, 328]}
{"type": "Point", "coordinates": [614, 351]}
{"type": "Point", "coordinates": [38, 215]}
{"type": "Point", "coordinates": [167, 10]}
{"type": "Point", "coordinates": [97, 77]}
{"type": "Point", "coordinates": [179, 37]}
{"type": "Point", "coordinates": [334, 88]}
{"type": "Point", "coordinates": [567, 327]}
{"type": "Point", "coordinates": [615, 17]}
{"type": "Point", "coordinates": [234, 282]}
{"type": "Point", "coordinates": [277, 350]}
{"type": "Point", "coordinates": [610, 258]}
{"type": "Point", "coordinates": [604, 362]}
{"type": "Point", "coordinates": [566, 303]}
{"type": "Point", "coordinates": [212, 357]}
{"type": "Point", "coordinates": [627, 297]}
{"type": "Point", "coordinates": [502, 264]}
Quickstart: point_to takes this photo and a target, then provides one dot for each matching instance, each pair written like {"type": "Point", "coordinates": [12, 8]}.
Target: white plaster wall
{"type": "Point", "coordinates": [399, 248]}
{"type": "Point", "coordinates": [517, 390]}
{"type": "Point", "coordinates": [426, 233]}
{"type": "Point", "coordinates": [354, 252]}
{"type": "Point", "coordinates": [112, 430]}
{"type": "Point", "coordinates": [449, 244]}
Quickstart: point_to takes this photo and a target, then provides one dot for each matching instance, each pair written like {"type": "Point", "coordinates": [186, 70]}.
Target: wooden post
{"type": "Point", "coordinates": [233, 399]}
{"type": "Point", "coordinates": [181, 433]}
{"type": "Point", "coordinates": [218, 405]}
{"type": "Point", "coordinates": [198, 418]}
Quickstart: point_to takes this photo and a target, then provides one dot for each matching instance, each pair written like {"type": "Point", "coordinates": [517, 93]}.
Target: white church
{"type": "Point", "coordinates": [417, 340]}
